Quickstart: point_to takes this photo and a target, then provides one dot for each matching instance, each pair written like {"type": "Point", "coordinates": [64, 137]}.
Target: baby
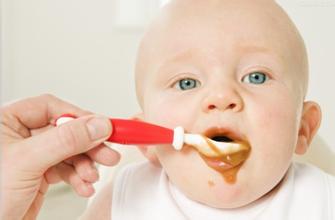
{"type": "Point", "coordinates": [234, 70]}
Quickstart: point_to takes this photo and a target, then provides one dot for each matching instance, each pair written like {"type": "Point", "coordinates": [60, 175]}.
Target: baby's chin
{"type": "Point", "coordinates": [190, 173]}
{"type": "Point", "coordinates": [215, 192]}
{"type": "Point", "coordinates": [207, 186]}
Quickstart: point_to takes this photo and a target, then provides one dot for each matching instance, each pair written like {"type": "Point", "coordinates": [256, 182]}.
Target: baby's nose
{"type": "Point", "coordinates": [222, 99]}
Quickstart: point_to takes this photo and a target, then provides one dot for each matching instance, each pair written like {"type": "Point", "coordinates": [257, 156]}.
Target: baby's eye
{"type": "Point", "coordinates": [187, 83]}
{"type": "Point", "coordinates": [255, 78]}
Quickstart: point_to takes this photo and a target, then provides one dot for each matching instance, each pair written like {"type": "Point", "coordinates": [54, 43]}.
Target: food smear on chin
{"type": "Point", "coordinates": [224, 157]}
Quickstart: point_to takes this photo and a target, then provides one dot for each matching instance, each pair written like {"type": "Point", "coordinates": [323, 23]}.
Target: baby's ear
{"type": "Point", "coordinates": [310, 122]}
{"type": "Point", "coordinates": [147, 150]}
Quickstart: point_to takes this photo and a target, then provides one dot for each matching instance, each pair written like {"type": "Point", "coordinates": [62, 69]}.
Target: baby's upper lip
{"type": "Point", "coordinates": [232, 134]}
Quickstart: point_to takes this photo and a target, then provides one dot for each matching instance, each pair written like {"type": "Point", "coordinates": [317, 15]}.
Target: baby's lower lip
{"type": "Point", "coordinates": [217, 163]}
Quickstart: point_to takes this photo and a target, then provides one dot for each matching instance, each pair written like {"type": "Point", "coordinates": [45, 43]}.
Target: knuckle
{"type": "Point", "coordinates": [68, 139]}
{"type": "Point", "coordinates": [47, 96]}
{"type": "Point", "coordinates": [2, 111]}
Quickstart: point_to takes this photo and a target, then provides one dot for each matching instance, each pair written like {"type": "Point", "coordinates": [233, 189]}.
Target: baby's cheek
{"type": "Point", "coordinates": [275, 120]}
{"type": "Point", "coordinates": [169, 114]}
{"type": "Point", "coordinates": [273, 137]}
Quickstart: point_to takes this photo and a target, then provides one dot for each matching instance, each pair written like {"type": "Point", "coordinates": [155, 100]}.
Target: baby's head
{"type": "Point", "coordinates": [236, 68]}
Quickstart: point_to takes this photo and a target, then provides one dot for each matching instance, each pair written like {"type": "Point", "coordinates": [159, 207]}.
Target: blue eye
{"type": "Point", "coordinates": [255, 78]}
{"type": "Point", "coordinates": [187, 83]}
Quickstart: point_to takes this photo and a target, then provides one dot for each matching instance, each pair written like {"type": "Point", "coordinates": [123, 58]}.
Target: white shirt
{"type": "Point", "coordinates": [143, 191]}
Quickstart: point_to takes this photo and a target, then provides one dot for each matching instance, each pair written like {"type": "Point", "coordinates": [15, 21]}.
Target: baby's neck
{"type": "Point", "coordinates": [196, 210]}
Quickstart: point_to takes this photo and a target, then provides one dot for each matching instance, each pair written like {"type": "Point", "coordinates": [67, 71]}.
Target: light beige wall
{"type": "Point", "coordinates": [71, 49]}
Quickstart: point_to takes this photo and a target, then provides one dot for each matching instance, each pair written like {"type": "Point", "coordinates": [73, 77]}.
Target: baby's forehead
{"type": "Point", "coordinates": [208, 60]}
{"type": "Point", "coordinates": [218, 29]}
{"type": "Point", "coordinates": [224, 28]}
{"type": "Point", "coordinates": [210, 51]}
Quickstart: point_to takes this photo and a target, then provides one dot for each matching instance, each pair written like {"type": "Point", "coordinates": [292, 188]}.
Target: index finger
{"type": "Point", "coordinates": [37, 112]}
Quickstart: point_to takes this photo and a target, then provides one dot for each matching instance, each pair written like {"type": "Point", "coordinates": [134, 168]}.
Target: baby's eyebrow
{"type": "Point", "coordinates": [192, 53]}
{"type": "Point", "coordinates": [196, 55]}
{"type": "Point", "coordinates": [182, 56]}
{"type": "Point", "coordinates": [259, 49]}
{"type": "Point", "coordinates": [254, 48]}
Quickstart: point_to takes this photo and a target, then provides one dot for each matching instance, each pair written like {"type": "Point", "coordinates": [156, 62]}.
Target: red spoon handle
{"type": "Point", "coordinates": [138, 132]}
{"type": "Point", "coordinates": [132, 132]}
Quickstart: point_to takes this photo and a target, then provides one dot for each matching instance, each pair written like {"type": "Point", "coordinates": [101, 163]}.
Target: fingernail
{"type": "Point", "coordinates": [95, 175]}
{"type": "Point", "coordinates": [98, 128]}
{"type": "Point", "coordinates": [87, 189]}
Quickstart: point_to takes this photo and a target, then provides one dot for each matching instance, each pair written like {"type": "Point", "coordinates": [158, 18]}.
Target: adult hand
{"type": "Point", "coordinates": [36, 154]}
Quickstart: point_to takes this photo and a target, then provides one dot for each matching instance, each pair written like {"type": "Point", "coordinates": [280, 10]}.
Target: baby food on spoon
{"type": "Point", "coordinates": [220, 151]}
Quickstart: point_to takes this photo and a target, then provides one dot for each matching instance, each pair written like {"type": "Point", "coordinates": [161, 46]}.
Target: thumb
{"type": "Point", "coordinates": [57, 144]}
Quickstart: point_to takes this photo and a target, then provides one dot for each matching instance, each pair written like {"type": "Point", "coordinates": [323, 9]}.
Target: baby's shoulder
{"type": "Point", "coordinates": [308, 171]}
{"type": "Point", "coordinates": [140, 173]}
{"type": "Point", "coordinates": [315, 179]}
{"type": "Point", "coordinates": [135, 179]}
{"type": "Point", "coordinates": [131, 181]}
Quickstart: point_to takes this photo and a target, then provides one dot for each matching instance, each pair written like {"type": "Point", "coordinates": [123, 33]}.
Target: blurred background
{"type": "Point", "coordinates": [84, 51]}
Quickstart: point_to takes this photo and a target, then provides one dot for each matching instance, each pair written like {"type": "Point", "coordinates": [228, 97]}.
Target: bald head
{"type": "Point", "coordinates": [222, 29]}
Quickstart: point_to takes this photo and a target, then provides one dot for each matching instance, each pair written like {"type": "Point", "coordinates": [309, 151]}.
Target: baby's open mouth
{"type": "Point", "coordinates": [221, 138]}
{"type": "Point", "coordinates": [236, 151]}
{"type": "Point", "coordinates": [217, 143]}
{"type": "Point", "coordinates": [222, 134]}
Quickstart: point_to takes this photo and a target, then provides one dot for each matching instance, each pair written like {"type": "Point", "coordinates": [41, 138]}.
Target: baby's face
{"type": "Point", "coordinates": [229, 68]}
